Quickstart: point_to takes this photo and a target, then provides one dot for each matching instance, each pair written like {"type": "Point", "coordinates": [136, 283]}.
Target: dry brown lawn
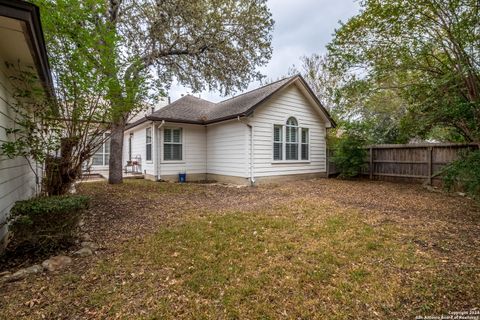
{"type": "Point", "coordinates": [320, 249]}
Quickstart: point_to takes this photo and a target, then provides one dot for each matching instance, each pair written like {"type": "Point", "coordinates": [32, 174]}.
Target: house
{"type": "Point", "coordinates": [272, 133]}
{"type": "Point", "coordinates": [21, 41]}
{"type": "Point", "coordinates": [99, 162]}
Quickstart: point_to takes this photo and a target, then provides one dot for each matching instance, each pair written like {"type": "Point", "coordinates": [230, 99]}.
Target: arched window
{"type": "Point", "coordinates": [290, 142]}
{"type": "Point", "coordinates": [291, 146]}
{"type": "Point", "coordinates": [292, 122]}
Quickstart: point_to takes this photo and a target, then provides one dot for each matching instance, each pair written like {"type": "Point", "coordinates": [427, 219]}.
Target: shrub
{"type": "Point", "coordinates": [349, 155]}
{"type": "Point", "coordinates": [464, 173]}
{"type": "Point", "coordinates": [46, 222]}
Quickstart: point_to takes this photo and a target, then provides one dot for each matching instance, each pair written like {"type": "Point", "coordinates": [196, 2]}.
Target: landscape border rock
{"type": "Point", "coordinates": [52, 264]}
{"type": "Point", "coordinates": [22, 273]}
{"type": "Point", "coordinates": [56, 263]}
{"type": "Point", "coordinates": [84, 252]}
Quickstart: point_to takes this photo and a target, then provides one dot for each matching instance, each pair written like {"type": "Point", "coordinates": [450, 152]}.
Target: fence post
{"type": "Point", "coordinates": [429, 156]}
{"type": "Point", "coordinates": [328, 162]}
{"type": "Point", "coordinates": [371, 163]}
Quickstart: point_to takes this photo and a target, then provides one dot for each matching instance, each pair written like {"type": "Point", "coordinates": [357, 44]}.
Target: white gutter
{"type": "Point", "coordinates": [251, 164]}
{"type": "Point", "coordinates": [157, 151]}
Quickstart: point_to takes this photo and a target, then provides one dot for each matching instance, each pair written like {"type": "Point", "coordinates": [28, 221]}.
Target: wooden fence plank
{"type": "Point", "coordinates": [371, 169]}
{"type": "Point", "coordinates": [412, 161]}
{"type": "Point", "coordinates": [429, 155]}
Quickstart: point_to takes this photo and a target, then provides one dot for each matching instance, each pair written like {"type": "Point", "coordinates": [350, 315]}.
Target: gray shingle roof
{"type": "Point", "coordinates": [185, 109]}
{"type": "Point", "coordinates": [243, 103]}
{"type": "Point", "coordinates": [190, 109]}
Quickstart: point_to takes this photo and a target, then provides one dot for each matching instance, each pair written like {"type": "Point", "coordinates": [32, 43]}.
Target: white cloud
{"type": "Point", "coordinates": [302, 27]}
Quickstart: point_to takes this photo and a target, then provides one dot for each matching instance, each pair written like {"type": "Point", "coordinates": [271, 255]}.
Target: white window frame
{"type": "Point", "coordinates": [130, 146]}
{"type": "Point", "coordinates": [149, 144]}
{"type": "Point", "coordinates": [284, 143]}
{"type": "Point", "coordinates": [306, 143]}
{"type": "Point", "coordinates": [182, 139]}
{"type": "Point", "coordinates": [281, 142]}
{"type": "Point", "coordinates": [296, 138]}
{"type": "Point", "coordinates": [101, 150]}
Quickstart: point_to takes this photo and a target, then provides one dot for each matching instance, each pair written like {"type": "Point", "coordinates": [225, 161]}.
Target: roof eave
{"type": "Point", "coordinates": [230, 117]}
{"type": "Point", "coordinates": [30, 15]}
{"type": "Point", "coordinates": [174, 120]}
{"type": "Point", "coordinates": [286, 84]}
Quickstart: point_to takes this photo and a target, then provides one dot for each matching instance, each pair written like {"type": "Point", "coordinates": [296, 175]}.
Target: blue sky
{"type": "Point", "coordinates": [302, 27]}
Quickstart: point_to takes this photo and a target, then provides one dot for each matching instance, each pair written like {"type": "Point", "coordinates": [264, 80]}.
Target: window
{"type": "Point", "coordinates": [130, 138]}
{"type": "Point", "coordinates": [277, 142]}
{"type": "Point", "coordinates": [102, 156]}
{"type": "Point", "coordinates": [148, 144]}
{"type": "Point", "coordinates": [291, 146]}
{"type": "Point", "coordinates": [290, 142]}
{"type": "Point", "coordinates": [172, 144]}
{"type": "Point", "coordinates": [304, 151]}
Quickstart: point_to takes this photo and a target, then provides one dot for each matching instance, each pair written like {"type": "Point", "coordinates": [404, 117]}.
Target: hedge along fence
{"type": "Point", "coordinates": [412, 162]}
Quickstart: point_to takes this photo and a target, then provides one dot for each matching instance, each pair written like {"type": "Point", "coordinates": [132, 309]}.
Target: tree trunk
{"type": "Point", "coordinates": [115, 173]}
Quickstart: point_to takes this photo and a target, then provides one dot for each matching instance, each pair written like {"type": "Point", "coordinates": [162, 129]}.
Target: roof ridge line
{"type": "Point", "coordinates": [253, 90]}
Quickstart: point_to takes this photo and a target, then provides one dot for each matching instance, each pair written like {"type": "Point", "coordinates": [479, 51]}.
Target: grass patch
{"type": "Point", "coordinates": [306, 250]}
{"type": "Point", "coordinates": [269, 264]}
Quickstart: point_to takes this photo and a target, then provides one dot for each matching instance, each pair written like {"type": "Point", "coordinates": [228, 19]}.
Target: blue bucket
{"type": "Point", "coordinates": [182, 177]}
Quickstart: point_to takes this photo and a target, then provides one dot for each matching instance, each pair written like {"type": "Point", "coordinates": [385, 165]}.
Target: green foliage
{"type": "Point", "coordinates": [378, 111]}
{"type": "Point", "coordinates": [143, 46]}
{"type": "Point", "coordinates": [349, 154]}
{"type": "Point", "coordinates": [70, 124]}
{"type": "Point", "coordinates": [45, 222]}
{"type": "Point", "coordinates": [140, 47]}
{"type": "Point", "coordinates": [33, 133]}
{"type": "Point", "coordinates": [417, 61]}
{"type": "Point", "coordinates": [464, 173]}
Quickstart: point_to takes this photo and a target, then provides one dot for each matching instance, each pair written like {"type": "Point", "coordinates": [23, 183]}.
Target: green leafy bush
{"type": "Point", "coordinates": [46, 222]}
{"type": "Point", "coordinates": [349, 155]}
{"type": "Point", "coordinates": [464, 173]}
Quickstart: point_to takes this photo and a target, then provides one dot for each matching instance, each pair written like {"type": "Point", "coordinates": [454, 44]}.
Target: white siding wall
{"type": "Point", "coordinates": [194, 151]}
{"type": "Point", "coordinates": [224, 148]}
{"type": "Point", "coordinates": [17, 181]}
{"type": "Point", "coordinates": [290, 102]}
{"type": "Point", "coordinates": [138, 147]}
{"type": "Point", "coordinates": [227, 149]}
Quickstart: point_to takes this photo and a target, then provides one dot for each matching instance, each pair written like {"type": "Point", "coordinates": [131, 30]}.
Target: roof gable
{"type": "Point", "coordinates": [190, 109]}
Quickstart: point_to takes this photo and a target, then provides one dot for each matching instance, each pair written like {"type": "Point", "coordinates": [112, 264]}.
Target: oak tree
{"type": "Point", "coordinates": [142, 46]}
{"type": "Point", "coordinates": [425, 53]}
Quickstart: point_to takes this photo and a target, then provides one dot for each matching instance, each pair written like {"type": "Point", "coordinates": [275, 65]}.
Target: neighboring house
{"type": "Point", "coordinates": [274, 132]}
{"type": "Point", "coordinates": [21, 41]}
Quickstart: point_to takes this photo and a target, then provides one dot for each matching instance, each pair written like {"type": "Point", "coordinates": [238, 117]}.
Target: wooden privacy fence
{"type": "Point", "coordinates": [412, 162]}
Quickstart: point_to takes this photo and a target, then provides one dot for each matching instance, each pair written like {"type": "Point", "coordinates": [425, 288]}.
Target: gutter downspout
{"type": "Point", "coordinates": [250, 127]}
{"type": "Point", "coordinates": [157, 151]}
